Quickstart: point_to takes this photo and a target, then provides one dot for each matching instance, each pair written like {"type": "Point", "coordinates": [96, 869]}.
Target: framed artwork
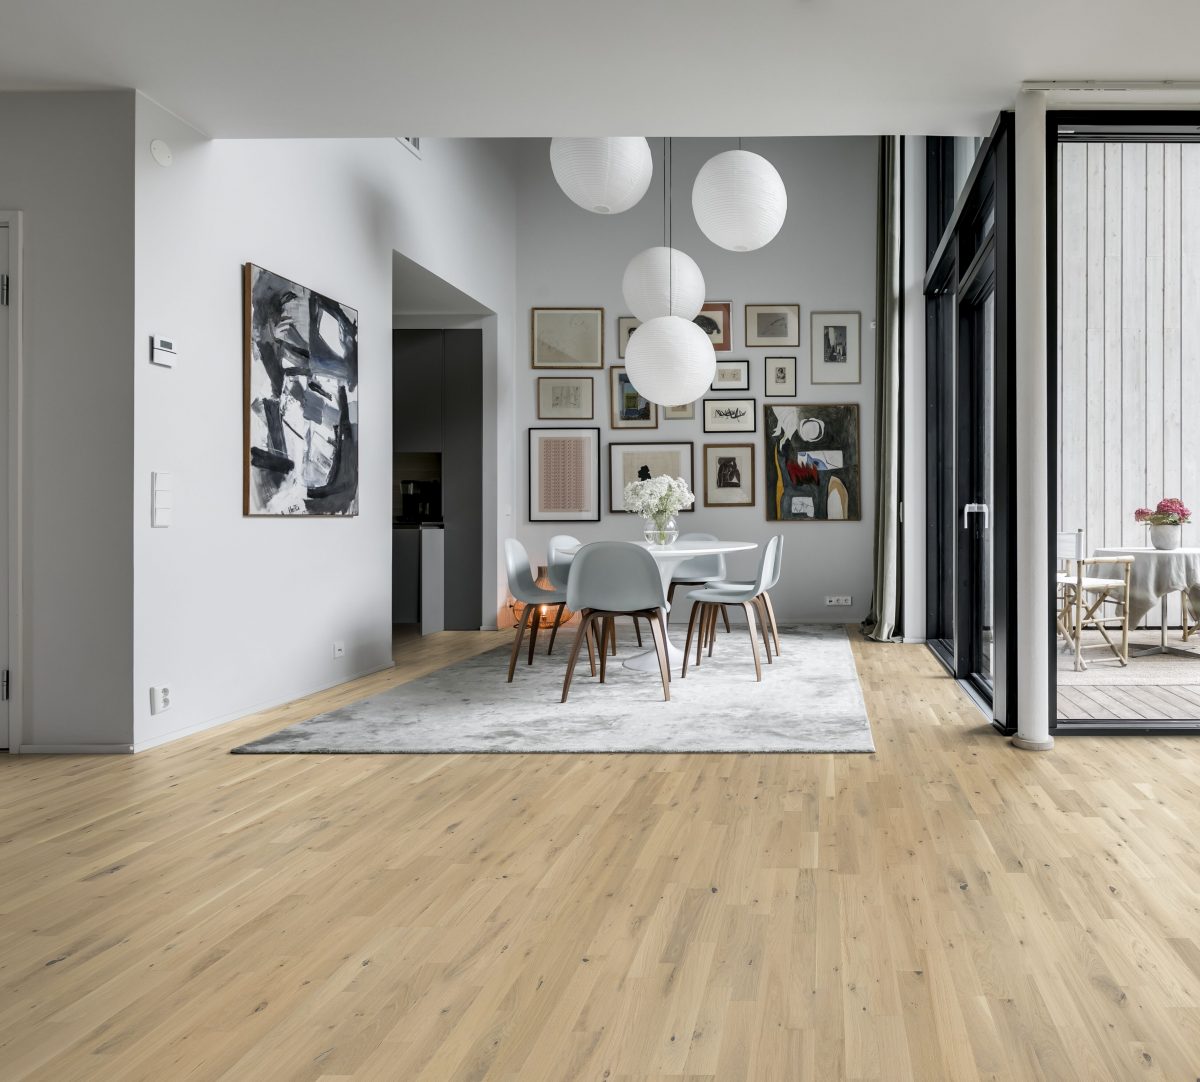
{"type": "Point", "coordinates": [629, 409]}
{"type": "Point", "coordinates": [772, 325]}
{"type": "Point", "coordinates": [626, 325]}
{"type": "Point", "coordinates": [714, 320]}
{"type": "Point", "coordinates": [812, 467]}
{"type": "Point", "coordinates": [300, 421]}
{"type": "Point", "coordinates": [565, 398]}
{"type": "Point", "coordinates": [567, 337]}
{"type": "Point", "coordinates": [834, 344]}
{"type": "Point", "coordinates": [729, 475]}
{"type": "Point", "coordinates": [686, 412]}
{"type": "Point", "coordinates": [729, 415]}
{"type": "Point", "coordinates": [732, 376]}
{"type": "Point", "coordinates": [564, 475]}
{"type": "Point", "coordinates": [779, 377]}
{"type": "Point", "coordinates": [640, 461]}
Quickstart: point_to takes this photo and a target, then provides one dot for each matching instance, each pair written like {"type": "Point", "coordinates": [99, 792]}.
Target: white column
{"type": "Point", "coordinates": [1033, 505]}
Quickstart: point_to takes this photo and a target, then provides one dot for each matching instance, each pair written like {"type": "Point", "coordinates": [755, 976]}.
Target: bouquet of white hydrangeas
{"type": "Point", "coordinates": [659, 499]}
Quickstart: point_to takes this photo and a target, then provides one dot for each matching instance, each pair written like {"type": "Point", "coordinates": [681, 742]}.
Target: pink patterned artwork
{"type": "Point", "coordinates": [563, 474]}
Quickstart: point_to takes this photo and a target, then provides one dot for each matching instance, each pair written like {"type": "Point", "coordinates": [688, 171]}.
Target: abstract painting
{"type": "Point", "coordinates": [640, 461]}
{"type": "Point", "coordinates": [629, 409]}
{"type": "Point", "coordinates": [729, 475]}
{"type": "Point", "coordinates": [567, 338]}
{"type": "Point", "coordinates": [564, 475]}
{"type": "Point", "coordinates": [812, 466]}
{"type": "Point", "coordinates": [835, 347]}
{"type": "Point", "coordinates": [301, 411]}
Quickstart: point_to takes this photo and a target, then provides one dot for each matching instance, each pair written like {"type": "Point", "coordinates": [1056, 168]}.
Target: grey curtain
{"type": "Point", "coordinates": [884, 616]}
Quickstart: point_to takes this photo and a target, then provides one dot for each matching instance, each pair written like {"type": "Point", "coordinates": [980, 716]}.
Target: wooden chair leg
{"type": "Point", "coordinates": [582, 636]}
{"type": "Point", "coordinates": [774, 625]}
{"type": "Point", "coordinates": [725, 617]}
{"type": "Point", "coordinates": [662, 623]}
{"type": "Point", "coordinates": [610, 635]}
{"type": "Point", "coordinates": [512, 661]}
{"type": "Point", "coordinates": [749, 610]}
{"type": "Point", "coordinates": [761, 608]}
{"type": "Point", "coordinates": [687, 650]}
{"type": "Point", "coordinates": [671, 594]}
{"type": "Point", "coordinates": [605, 633]}
{"type": "Point", "coordinates": [592, 646]}
{"type": "Point", "coordinates": [533, 630]}
{"type": "Point", "coordinates": [554, 630]}
{"type": "Point", "coordinates": [713, 611]}
{"type": "Point", "coordinates": [664, 665]}
{"type": "Point", "coordinates": [1079, 666]}
{"type": "Point", "coordinates": [637, 630]}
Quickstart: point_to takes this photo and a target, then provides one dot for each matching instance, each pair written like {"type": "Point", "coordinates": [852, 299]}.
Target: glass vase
{"type": "Point", "coordinates": [661, 531]}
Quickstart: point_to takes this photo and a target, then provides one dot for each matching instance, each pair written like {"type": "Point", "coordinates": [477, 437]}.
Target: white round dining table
{"type": "Point", "coordinates": [668, 558]}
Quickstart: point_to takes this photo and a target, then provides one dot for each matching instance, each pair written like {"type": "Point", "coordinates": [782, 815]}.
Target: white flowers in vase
{"type": "Point", "coordinates": [658, 500]}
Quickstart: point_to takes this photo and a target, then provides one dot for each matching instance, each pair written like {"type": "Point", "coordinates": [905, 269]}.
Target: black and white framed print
{"type": "Point", "coordinates": [564, 475]}
{"type": "Point", "coordinates": [730, 415]}
{"type": "Point", "coordinates": [686, 412]}
{"type": "Point", "coordinates": [772, 325]}
{"type": "Point", "coordinates": [729, 475]}
{"type": "Point", "coordinates": [834, 343]}
{"type": "Point", "coordinates": [629, 409]}
{"type": "Point", "coordinates": [628, 462]}
{"type": "Point", "coordinates": [565, 398]}
{"type": "Point", "coordinates": [732, 376]}
{"type": "Point", "coordinates": [626, 325]}
{"type": "Point", "coordinates": [779, 377]}
{"type": "Point", "coordinates": [715, 320]}
{"type": "Point", "coordinates": [567, 337]}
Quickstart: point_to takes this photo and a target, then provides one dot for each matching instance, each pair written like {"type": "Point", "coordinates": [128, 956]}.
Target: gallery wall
{"type": "Point", "coordinates": [238, 613]}
{"type": "Point", "coordinates": [66, 162]}
{"type": "Point", "coordinates": [823, 259]}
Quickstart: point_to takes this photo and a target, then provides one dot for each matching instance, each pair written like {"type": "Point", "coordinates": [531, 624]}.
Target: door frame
{"type": "Point", "coordinates": [16, 557]}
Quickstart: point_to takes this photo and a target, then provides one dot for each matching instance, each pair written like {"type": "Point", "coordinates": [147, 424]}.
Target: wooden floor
{"type": "Point", "coordinates": [1140, 702]}
{"type": "Point", "coordinates": [947, 908]}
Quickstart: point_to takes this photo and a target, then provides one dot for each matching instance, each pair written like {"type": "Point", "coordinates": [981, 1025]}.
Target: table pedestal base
{"type": "Point", "coordinates": [647, 660]}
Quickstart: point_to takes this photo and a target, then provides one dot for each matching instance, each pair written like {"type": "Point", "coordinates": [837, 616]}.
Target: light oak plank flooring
{"type": "Point", "coordinates": [947, 908]}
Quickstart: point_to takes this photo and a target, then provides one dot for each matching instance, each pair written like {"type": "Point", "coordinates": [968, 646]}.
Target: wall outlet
{"type": "Point", "coordinates": [339, 649]}
{"type": "Point", "coordinates": [839, 599]}
{"type": "Point", "coordinates": [160, 699]}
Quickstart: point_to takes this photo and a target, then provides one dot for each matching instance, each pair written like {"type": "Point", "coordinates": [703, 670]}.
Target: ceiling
{"type": "Point", "coordinates": [543, 67]}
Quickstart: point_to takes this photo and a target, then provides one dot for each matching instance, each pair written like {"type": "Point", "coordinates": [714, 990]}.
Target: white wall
{"type": "Point", "coordinates": [66, 161]}
{"type": "Point", "coordinates": [238, 613]}
{"type": "Point", "coordinates": [824, 259]}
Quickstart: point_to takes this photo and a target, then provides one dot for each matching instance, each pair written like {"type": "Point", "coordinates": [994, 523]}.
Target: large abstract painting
{"type": "Point", "coordinates": [812, 466]}
{"type": "Point", "coordinates": [301, 418]}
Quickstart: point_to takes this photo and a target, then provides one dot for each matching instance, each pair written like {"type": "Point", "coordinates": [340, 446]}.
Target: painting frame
{"type": "Point", "coordinates": [586, 439]}
{"type": "Point", "coordinates": [721, 314]}
{"type": "Point", "coordinates": [789, 339]}
{"type": "Point", "coordinates": [622, 450]}
{"type": "Point", "coordinates": [271, 489]}
{"type": "Point", "coordinates": [552, 337]}
{"type": "Point", "coordinates": [617, 374]}
{"type": "Point", "coordinates": [714, 469]}
{"type": "Point", "coordinates": [771, 366]}
{"type": "Point", "coordinates": [546, 386]}
{"type": "Point", "coordinates": [684, 412]}
{"type": "Point", "coordinates": [818, 431]}
{"type": "Point", "coordinates": [626, 325]}
{"type": "Point", "coordinates": [741, 383]}
{"type": "Point", "coordinates": [826, 365]}
{"type": "Point", "coordinates": [745, 421]}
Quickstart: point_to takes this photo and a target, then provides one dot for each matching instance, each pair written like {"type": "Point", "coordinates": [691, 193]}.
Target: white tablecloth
{"type": "Point", "coordinates": [1154, 575]}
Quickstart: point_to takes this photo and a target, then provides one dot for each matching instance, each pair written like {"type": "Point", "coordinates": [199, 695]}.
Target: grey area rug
{"type": "Point", "coordinates": [1148, 670]}
{"type": "Point", "coordinates": [809, 700]}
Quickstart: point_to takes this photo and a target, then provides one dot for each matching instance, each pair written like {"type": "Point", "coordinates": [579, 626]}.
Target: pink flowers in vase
{"type": "Point", "coordinates": [1170, 512]}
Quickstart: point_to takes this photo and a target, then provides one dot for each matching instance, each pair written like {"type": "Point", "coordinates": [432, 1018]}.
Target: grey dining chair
{"type": "Point", "coordinates": [522, 586]}
{"type": "Point", "coordinates": [763, 600]}
{"type": "Point", "coordinates": [558, 567]}
{"type": "Point", "coordinates": [699, 570]}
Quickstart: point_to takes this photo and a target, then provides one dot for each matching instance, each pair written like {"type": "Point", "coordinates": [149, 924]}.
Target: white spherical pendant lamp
{"type": "Point", "coordinates": [605, 176]}
{"type": "Point", "coordinates": [663, 282]}
{"type": "Point", "coordinates": [739, 200]}
{"type": "Point", "coordinates": [670, 361]}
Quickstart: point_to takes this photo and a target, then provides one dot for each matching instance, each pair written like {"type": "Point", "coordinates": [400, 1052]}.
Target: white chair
{"type": "Point", "coordinates": [522, 586]}
{"type": "Point", "coordinates": [706, 602]}
{"type": "Point", "coordinates": [558, 568]}
{"type": "Point", "coordinates": [610, 579]}
{"type": "Point", "coordinates": [763, 600]}
{"type": "Point", "coordinates": [699, 570]}
{"type": "Point", "coordinates": [1082, 598]}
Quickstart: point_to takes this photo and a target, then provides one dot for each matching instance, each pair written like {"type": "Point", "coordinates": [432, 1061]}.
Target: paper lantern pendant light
{"type": "Point", "coordinates": [739, 200]}
{"type": "Point", "coordinates": [663, 282]}
{"type": "Point", "coordinates": [670, 361]}
{"type": "Point", "coordinates": [605, 176]}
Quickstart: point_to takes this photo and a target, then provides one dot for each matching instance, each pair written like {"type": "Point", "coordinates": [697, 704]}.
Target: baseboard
{"type": "Point", "coordinates": [243, 712]}
{"type": "Point", "coordinates": [75, 749]}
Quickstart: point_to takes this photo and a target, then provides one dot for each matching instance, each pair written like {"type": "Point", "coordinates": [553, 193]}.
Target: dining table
{"type": "Point", "coordinates": [1156, 575]}
{"type": "Point", "coordinates": [668, 558]}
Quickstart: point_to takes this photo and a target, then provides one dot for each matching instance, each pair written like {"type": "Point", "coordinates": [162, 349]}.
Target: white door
{"type": "Point", "coordinates": [5, 585]}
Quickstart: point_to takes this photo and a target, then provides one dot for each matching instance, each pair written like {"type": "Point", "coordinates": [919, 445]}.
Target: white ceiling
{"type": "Point", "coordinates": [542, 67]}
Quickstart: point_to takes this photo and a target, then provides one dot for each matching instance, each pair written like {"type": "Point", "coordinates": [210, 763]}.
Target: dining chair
{"type": "Point", "coordinates": [762, 601]}
{"type": "Point", "coordinates": [610, 579]}
{"type": "Point", "coordinates": [523, 588]}
{"type": "Point", "coordinates": [1069, 548]}
{"type": "Point", "coordinates": [558, 567]}
{"type": "Point", "coordinates": [1083, 598]}
{"type": "Point", "coordinates": [705, 602]}
{"type": "Point", "coordinates": [699, 570]}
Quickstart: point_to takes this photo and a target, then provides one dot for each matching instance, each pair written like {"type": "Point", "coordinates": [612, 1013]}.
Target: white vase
{"type": "Point", "coordinates": [1165, 538]}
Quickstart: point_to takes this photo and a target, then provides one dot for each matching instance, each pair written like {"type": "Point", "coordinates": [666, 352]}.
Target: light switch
{"type": "Point", "coordinates": [162, 495]}
{"type": "Point", "coordinates": [163, 351]}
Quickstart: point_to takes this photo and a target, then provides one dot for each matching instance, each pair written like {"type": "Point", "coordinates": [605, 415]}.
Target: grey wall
{"type": "Point", "coordinates": [66, 161]}
{"type": "Point", "coordinates": [823, 259]}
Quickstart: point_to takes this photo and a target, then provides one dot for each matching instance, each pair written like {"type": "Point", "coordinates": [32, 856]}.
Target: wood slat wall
{"type": "Point", "coordinates": [1129, 333]}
